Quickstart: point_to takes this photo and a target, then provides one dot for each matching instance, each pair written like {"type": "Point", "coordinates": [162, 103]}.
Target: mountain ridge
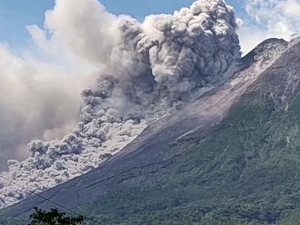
{"type": "Point", "coordinates": [155, 139]}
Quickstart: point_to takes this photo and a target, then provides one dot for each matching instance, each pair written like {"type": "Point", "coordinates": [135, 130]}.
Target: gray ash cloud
{"type": "Point", "coordinates": [145, 71]}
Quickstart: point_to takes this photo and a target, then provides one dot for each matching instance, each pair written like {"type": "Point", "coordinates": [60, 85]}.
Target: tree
{"type": "Point", "coordinates": [53, 217]}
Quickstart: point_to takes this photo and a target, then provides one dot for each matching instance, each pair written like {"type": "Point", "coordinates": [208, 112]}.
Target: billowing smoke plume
{"type": "Point", "coordinates": [37, 100]}
{"type": "Point", "coordinates": [145, 71]}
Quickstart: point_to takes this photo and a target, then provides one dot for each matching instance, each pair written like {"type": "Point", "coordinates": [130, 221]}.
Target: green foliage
{"type": "Point", "coordinates": [244, 171]}
{"type": "Point", "coordinates": [40, 217]}
{"type": "Point", "coordinates": [53, 217]}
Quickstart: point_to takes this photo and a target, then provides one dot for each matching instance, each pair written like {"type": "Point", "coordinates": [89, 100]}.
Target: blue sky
{"type": "Point", "coordinates": [16, 14]}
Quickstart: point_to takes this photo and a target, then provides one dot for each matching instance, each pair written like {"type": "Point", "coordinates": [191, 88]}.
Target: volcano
{"type": "Point", "coordinates": [229, 157]}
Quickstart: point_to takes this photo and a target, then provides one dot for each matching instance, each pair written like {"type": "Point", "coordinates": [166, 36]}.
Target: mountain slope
{"type": "Point", "coordinates": [234, 162]}
{"type": "Point", "coordinates": [244, 170]}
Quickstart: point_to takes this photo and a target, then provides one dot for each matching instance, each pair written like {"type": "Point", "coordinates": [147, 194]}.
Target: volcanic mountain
{"type": "Point", "coordinates": [229, 157]}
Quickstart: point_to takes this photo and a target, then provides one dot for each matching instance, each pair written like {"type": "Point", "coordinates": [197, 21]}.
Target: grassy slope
{"type": "Point", "coordinates": [10, 221]}
{"type": "Point", "coordinates": [244, 171]}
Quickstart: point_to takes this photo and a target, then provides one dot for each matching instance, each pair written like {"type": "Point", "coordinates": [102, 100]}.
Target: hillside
{"type": "Point", "coordinates": [242, 171]}
{"type": "Point", "coordinates": [233, 162]}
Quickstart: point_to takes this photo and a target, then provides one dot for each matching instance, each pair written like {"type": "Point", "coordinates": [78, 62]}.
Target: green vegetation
{"type": "Point", "coordinates": [53, 217]}
{"type": "Point", "coordinates": [10, 221]}
{"type": "Point", "coordinates": [41, 217]}
{"type": "Point", "coordinates": [244, 171]}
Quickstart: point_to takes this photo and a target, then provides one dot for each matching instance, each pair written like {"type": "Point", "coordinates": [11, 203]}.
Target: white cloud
{"type": "Point", "coordinates": [38, 98]}
{"type": "Point", "coordinates": [269, 18]}
{"type": "Point", "coordinates": [291, 8]}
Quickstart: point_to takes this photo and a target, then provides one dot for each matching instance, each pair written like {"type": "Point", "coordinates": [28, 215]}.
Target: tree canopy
{"type": "Point", "coordinates": [53, 217]}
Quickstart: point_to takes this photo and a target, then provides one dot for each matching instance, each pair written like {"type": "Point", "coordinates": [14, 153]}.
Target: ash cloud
{"type": "Point", "coordinates": [37, 100]}
{"type": "Point", "coordinates": [144, 71]}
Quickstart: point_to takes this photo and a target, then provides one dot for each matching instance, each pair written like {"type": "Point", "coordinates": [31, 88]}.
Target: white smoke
{"type": "Point", "coordinates": [269, 19]}
{"type": "Point", "coordinates": [37, 100]}
{"type": "Point", "coordinates": [145, 71]}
